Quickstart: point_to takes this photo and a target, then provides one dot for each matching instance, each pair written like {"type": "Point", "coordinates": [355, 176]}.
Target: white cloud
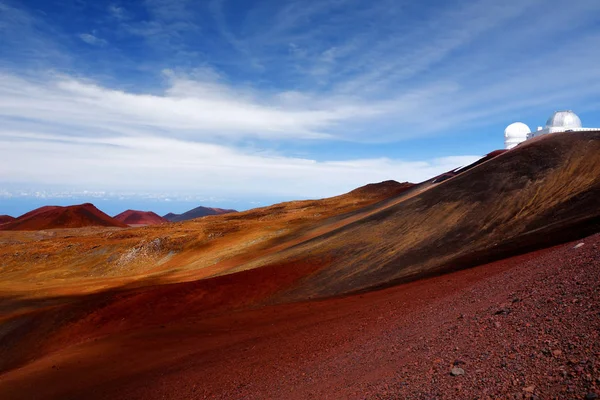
{"type": "Point", "coordinates": [59, 131]}
{"type": "Point", "coordinates": [188, 108]}
{"type": "Point", "coordinates": [153, 164]}
{"type": "Point", "coordinates": [92, 40]}
{"type": "Point", "coordinates": [118, 12]}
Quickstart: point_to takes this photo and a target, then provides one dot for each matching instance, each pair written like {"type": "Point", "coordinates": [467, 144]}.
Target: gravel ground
{"type": "Point", "coordinates": [525, 327]}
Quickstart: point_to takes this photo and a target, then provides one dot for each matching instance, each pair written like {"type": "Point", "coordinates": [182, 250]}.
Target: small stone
{"type": "Point", "coordinates": [497, 324]}
{"type": "Point", "coordinates": [456, 371]}
{"type": "Point", "coordinates": [556, 353]}
{"type": "Point", "coordinates": [591, 396]}
{"type": "Point", "coordinates": [578, 245]}
{"type": "Point", "coordinates": [529, 389]}
{"type": "Point", "coordinates": [546, 352]}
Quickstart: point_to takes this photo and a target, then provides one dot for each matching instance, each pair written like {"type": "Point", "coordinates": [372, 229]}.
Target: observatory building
{"type": "Point", "coordinates": [560, 121]}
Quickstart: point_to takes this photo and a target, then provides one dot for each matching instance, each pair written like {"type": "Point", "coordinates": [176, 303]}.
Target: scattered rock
{"type": "Point", "coordinates": [556, 353]}
{"type": "Point", "coordinates": [529, 389]}
{"type": "Point", "coordinates": [502, 311]}
{"type": "Point", "coordinates": [578, 245]}
{"type": "Point", "coordinates": [456, 371]}
{"type": "Point", "coordinates": [591, 396]}
{"type": "Point", "coordinates": [546, 352]}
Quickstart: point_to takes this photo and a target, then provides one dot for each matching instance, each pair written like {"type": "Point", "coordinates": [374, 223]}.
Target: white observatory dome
{"type": "Point", "coordinates": [515, 134]}
{"type": "Point", "coordinates": [564, 119]}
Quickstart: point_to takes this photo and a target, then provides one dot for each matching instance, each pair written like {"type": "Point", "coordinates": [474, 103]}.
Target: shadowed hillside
{"type": "Point", "coordinates": [6, 218]}
{"type": "Point", "coordinates": [541, 193]}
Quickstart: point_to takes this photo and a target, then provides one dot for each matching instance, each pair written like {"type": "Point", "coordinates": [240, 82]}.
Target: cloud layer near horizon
{"type": "Point", "coordinates": [183, 168]}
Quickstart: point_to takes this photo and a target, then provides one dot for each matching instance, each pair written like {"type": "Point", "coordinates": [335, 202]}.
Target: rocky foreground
{"type": "Point", "coordinates": [525, 327]}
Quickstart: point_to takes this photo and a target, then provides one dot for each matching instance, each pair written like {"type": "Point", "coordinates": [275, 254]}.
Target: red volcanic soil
{"type": "Point", "coordinates": [6, 218]}
{"type": "Point", "coordinates": [524, 327]}
{"type": "Point", "coordinates": [54, 217]}
{"type": "Point", "coordinates": [134, 217]}
{"type": "Point", "coordinates": [197, 213]}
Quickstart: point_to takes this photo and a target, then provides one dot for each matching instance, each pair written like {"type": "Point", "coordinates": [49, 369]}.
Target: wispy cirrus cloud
{"type": "Point", "coordinates": [118, 12]}
{"type": "Point", "coordinates": [202, 110]}
{"type": "Point", "coordinates": [92, 40]}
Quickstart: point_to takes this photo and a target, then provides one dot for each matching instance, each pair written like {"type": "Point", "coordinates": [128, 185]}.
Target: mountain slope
{"type": "Point", "coordinates": [6, 218]}
{"type": "Point", "coordinates": [55, 217]}
{"type": "Point", "coordinates": [525, 322]}
{"type": "Point", "coordinates": [135, 217]}
{"type": "Point", "coordinates": [536, 195]}
{"type": "Point", "coordinates": [188, 250]}
{"type": "Point", "coordinates": [196, 213]}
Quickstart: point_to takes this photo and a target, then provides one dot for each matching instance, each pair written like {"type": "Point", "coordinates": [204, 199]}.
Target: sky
{"type": "Point", "coordinates": [165, 105]}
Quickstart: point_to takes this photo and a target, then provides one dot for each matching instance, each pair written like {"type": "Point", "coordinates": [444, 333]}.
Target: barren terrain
{"type": "Point", "coordinates": [522, 327]}
{"type": "Point", "coordinates": [378, 293]}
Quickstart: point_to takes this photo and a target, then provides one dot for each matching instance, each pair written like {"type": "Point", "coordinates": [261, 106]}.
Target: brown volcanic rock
{"type": "Point", "coordinates": [6, 218]}
{"type": "Point", "coordinates": [197, 212]}
{"type": "Point", "coordinates": [56, 217]}
{"type": "Point", "coordinates": [134, 217]}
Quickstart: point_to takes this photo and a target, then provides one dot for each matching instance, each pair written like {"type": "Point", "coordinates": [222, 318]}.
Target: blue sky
{"type": "Point", "coordinates": [169, 104]}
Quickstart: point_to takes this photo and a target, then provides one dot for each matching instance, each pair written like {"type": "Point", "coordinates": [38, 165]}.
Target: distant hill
{"type": "Point", "coordinates": [6, 218]}
{"type": "Point", "coordinates": [135, 217]}
{"type": "Point", "coordinates": [55, 217]}
{"type": "Point", "coordinates": [196, 213]}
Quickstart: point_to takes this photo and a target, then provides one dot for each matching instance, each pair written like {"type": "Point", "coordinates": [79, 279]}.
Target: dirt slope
{"type": "Point", "coordinates": [197, 213]}
{"type": "Point", "coordinates": [522, 327]}
{"type": "Point", "coordinates": [55, 217]}
{"type": "Point", "coordinates": [58, 265]}
{"type": "Point", "coordinates": [533, 196]}
{"type": "Point", "coordinates": [6, 218]}
{"type": "Point", "coordinates": [135, 217]}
